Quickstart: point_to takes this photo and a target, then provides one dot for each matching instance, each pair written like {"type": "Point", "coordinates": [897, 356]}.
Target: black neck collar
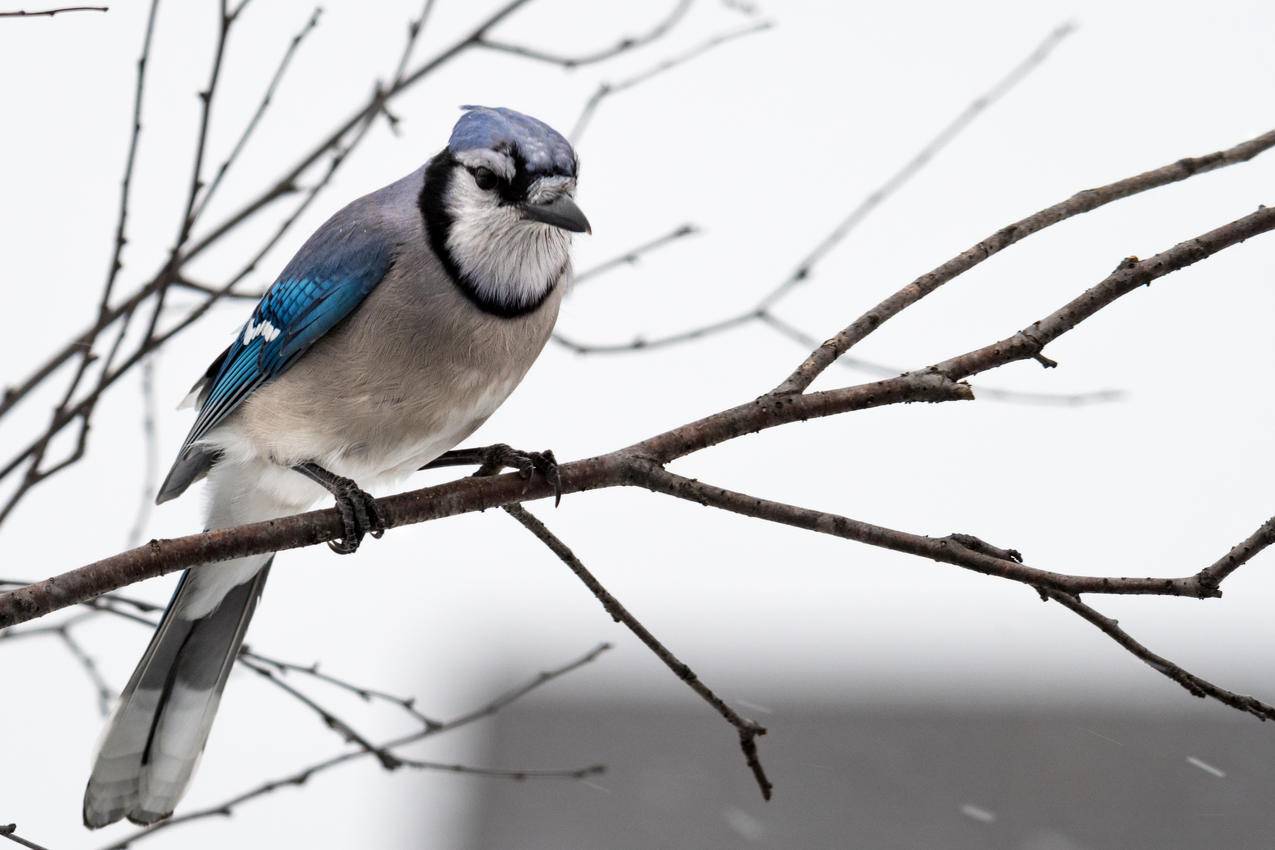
{"type": "Point", "coordinates": [438, 224]}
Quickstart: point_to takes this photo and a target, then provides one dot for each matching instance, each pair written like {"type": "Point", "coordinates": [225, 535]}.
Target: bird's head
{"type": "Point", "coordinates": [498, 204]}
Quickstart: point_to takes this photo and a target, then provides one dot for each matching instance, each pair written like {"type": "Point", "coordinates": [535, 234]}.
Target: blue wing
{"type": "Point", "coordinates": [323, 284]}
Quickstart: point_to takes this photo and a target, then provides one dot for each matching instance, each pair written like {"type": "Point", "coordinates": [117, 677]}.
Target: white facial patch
{"type": "Point", "coordinates": [545, 189]}
{"type": "Point", "coordinates": [265, 330]}
{"type": "Point", "coordinates": [507, 258]}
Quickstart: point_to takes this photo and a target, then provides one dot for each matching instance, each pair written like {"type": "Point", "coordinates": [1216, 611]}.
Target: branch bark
{"type": "Point", "coordinates": [633, 465]}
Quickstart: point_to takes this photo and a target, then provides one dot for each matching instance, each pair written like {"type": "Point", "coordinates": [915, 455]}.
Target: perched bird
{"type": "Point", "coordinates": [397, 329]}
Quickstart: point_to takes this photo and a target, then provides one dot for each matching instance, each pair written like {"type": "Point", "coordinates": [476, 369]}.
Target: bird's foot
{"type": "Point", "coordinates": [492, 459]}
{"type": "Point", "coordinates": [360, 515]}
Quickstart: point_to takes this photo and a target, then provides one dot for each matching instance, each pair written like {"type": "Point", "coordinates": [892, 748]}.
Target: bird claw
{"type": "Point", "coordinates": [527, 464]}
{"type": "Point", "coordinates": [360, 516]}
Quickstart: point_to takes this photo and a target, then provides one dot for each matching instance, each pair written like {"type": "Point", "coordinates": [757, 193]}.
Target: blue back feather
{"type": "Point", "coordinates": [327, 279]}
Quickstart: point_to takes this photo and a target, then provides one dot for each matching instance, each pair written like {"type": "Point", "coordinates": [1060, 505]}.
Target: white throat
{"type": "Point", "coordinates": [504, 257]}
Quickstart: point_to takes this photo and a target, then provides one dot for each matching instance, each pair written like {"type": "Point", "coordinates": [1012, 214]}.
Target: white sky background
{"type": "Point", "coordinates": [766, 143]}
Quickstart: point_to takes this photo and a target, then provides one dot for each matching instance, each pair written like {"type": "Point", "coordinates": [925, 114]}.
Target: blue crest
{"type": "Point", "coordinates": [542, 148]}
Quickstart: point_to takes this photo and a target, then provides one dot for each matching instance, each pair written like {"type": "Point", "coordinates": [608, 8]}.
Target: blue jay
{"type": "Point", "coordinates": [397, 329]}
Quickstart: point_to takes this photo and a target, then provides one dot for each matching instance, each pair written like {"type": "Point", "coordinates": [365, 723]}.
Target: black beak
{"type": "Point", "coordinates": [560, 212]}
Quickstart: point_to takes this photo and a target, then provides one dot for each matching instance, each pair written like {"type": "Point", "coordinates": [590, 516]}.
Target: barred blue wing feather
{"type": "Point", "coordinates": [323, 284]}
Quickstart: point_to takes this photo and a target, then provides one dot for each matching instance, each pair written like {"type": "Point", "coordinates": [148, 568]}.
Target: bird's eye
{"type": "Point", "coordinates": [484, 178]}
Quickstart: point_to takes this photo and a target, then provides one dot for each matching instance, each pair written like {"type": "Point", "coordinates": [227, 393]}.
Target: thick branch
{"type": "Point", "coordinates": [161, 557]}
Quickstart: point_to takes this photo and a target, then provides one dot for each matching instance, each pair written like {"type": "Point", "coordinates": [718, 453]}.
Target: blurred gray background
{"type": "Point", "coordinates": [910, 704]}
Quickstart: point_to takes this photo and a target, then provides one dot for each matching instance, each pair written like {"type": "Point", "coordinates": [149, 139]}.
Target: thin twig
{"type": "Point", "coordinates": [10, 831]}
{"type": "Point", "coordinates": [506, 773]}
{"type": "Point", "coordinates": [130, 162]}
{"type": "Point", "coordinates": [748, 730]}
{"type": "Point", "coordinates": [624, 45]}
{"type": "Point", "coordinates": [408, 704]}
{"type": "Point", "coordinates": [1194, 684]}
{"type": "Point", "coordinates": [262, 106]}
{"type": "Point", "coordinates": [983, 393]}
{"type": "Point", "coordinates": [632, 256]}
{"type": "Point", "coordinates": [150, 459]}
{"type": "Point", "coordinates": [336, 724]}
{"type": "Point", "coordinates": [206, 98]}
{"type": "Point", "coordinates": [605, 90]}
{"type": "Point", "coordinates": [62, 631]}
{"type": "Point", "coordinates": [48, 13]}
{"type": "Point", "coordinates": [105, 693]}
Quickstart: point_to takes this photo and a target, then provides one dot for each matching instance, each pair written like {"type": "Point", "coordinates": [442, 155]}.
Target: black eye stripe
{"type": "Point", "coordinates": [511, 191]}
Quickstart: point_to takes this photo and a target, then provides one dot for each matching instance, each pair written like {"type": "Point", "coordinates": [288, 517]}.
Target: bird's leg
{"type": "Point", "coordinates": [492, 459]}
{"type": "Point", "coordinates": [359, 513]}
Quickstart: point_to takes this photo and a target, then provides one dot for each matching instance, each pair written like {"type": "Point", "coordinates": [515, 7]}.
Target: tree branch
{"type": "Point", "coordinates": [605, 90]}
{"type": "Point", "coordinates": [1082, 202]}
{"type": "Point", "coordinates": [1243, 552]}
{"type": "Point", "coordinates": [624, 45]}
{"type": "Point", "coordinates": [632, 256]}
{"type": "Point", "coordinates": [937, 383]}
{"type": "Point", "coordinates": [954, 549]}
{"type": "Point", "coordinates": [161, 557]}
{"type": "Point", "coordinates": [10, 831]}
{"type": "Point", "coordinates": [981, 392]}
{"type": "Point", "coordinates": [257, 114]}
{"type": "Point", "coordinates": [408, 704]}
{"type": "Point", "coordinates": [1130, 274]}
{"type": "Point", "coordinates": [347, 732]}
{"type": "Point", "coordinates": [748, 730]}
{"type": "Point", "coordinates": [1194, 684]}
{"type": "Point", "coordinates": [507, 773]}
{"type": "Point", "coordinates": [48, 13]}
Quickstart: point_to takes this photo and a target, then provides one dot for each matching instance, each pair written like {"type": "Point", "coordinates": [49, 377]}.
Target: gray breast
{"type": "Point", "coordinates": [413, 372]}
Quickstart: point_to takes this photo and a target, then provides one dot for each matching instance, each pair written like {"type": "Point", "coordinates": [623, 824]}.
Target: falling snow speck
{"type": "Point", "coordinates": [1206, 767]}
{"type": "Point", "coordinates": [743, 824]}
{"type": "Point", "coordinates": [977, 813]}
